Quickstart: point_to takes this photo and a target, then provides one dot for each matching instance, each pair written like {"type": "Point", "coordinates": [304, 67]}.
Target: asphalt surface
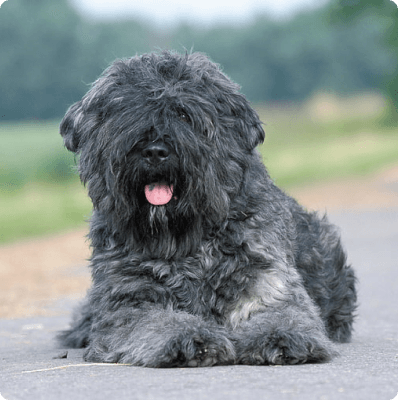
{"type": "Point", "coordinates": [366, 369]}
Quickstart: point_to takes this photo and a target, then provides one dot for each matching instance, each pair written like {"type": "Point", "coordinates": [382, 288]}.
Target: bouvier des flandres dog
{"type": "Point", "coordinates": [198, 258]}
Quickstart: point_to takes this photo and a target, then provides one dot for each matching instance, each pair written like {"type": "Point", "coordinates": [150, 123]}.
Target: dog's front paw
{"type": "Point", "coordinates": [198, 349]}
{"type": "Point", "coordinates": [286, 348]}
{"type": "Point", "coordinates": [98, 353]}
{"type": "Point", "coordinates": [197, 353]}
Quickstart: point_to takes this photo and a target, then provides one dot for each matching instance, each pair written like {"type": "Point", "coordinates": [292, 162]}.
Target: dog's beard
{"type": "Point", "coordinates": [162, 232]}
{"type": "Point", "coordinates": [158, 238]}
{"type": "Point", "coordinates": [158, 220]}
{"type": "Point", "coordinates": [177, 227]}
{"type": "Point", "coordinates": [171, 226]}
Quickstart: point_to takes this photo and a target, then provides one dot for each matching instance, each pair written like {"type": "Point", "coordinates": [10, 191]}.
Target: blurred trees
{"type": "Point", "coordinates": [37, 40]}
{"type": "Point", "coordinates": [49, 54]}
{"type": "Point", "coordinates": [380, 16]}
{"type": "Point", "coordinates": [289, 61]}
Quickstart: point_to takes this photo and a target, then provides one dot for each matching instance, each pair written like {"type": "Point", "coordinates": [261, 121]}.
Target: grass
{"type": "Point", "coordinates": [300, 148]}
{"type": "Point", "coordinates": [40, 193]}
{"type": "Point", "coordinates": [42, 209]}
{"type": "Point", "coordinates": [33, 152]}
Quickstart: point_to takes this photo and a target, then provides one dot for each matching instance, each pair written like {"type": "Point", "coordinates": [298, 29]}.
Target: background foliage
{"type": "Point", "coordinates": [49, 53]}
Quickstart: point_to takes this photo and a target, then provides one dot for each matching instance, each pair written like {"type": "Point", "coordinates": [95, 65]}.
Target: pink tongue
{"type": "Point", "coordinates": [158, 194]}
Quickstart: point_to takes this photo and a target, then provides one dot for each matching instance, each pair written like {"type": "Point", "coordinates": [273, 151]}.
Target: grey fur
{"type": "Point", "coordinates": [231, 270]}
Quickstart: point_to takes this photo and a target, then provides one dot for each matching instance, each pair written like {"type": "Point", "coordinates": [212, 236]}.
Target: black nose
{"type": "Point", "coordinates": [155, 153]}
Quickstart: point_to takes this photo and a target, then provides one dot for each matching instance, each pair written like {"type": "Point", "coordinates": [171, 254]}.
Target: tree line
{"type": "Point", "coordinates": [49, 54]}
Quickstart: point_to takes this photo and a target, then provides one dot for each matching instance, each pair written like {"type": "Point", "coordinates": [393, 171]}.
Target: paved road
{"type": "Point", "coordinates": [367, 368]}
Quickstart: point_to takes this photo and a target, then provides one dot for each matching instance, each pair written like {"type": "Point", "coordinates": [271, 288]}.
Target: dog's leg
{"type": "Point", "coordinates": [151, 336]}
{"type": "Point", "coordinates": [328, 279]}
{"type": "Point", "coordinates": [283, 336]}
{"type": "Point", "coordinates": [77, 336]}
{"type": "Point", "coordinates": [279, 324]}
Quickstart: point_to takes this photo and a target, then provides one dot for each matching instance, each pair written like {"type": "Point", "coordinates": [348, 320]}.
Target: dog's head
{"type": "Point", "coordinates": [164, 137]}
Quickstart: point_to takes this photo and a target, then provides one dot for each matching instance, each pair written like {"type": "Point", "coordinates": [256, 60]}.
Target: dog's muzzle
{"type": "Point", "coordinates": [157, 193]}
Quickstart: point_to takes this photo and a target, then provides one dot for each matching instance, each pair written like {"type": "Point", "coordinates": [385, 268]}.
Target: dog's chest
{"type": "Point", "coordinates": [207, 285]}
{"type": "Point", "coordinates": [199, 292]}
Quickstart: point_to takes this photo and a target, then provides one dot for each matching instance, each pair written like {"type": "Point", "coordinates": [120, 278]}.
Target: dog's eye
{"type": "Point", "coordinates": [184, 117]}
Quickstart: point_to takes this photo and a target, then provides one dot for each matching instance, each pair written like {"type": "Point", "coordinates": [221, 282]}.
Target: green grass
{"type": "Point", "coordinates": [299, 150]}
{"type": "Point", "coordinates": [33, 152]}
{"type": "Point", "coordinates": [40, 193]}
{"type": "Point", "coordinates": [42, 209]}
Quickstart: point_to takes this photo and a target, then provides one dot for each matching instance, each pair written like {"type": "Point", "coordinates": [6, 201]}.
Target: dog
{"type": "Point", "coordinates": [198, 259]}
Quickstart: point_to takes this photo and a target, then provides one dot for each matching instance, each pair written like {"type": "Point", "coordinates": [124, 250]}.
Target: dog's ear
{"type": "Point", "coordinates": [254, 132]}
{"type": "Point", "coordinates": [247, 122]}
{"type": "Point", "coordinates": [70, 127]}
{"type": "Point", "coordinates": [83, 117]}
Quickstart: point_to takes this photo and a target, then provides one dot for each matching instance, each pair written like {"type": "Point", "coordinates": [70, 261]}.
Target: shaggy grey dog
{"type": "Point", "coordinates": [198, 258]}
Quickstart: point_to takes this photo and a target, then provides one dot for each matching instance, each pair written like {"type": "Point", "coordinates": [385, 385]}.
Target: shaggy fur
{"type": "Point", "coordinates": [231, 270]}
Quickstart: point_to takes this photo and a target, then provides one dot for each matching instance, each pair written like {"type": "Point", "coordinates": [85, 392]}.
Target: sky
{"type": "Point", "coordinates": [171, 12]}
